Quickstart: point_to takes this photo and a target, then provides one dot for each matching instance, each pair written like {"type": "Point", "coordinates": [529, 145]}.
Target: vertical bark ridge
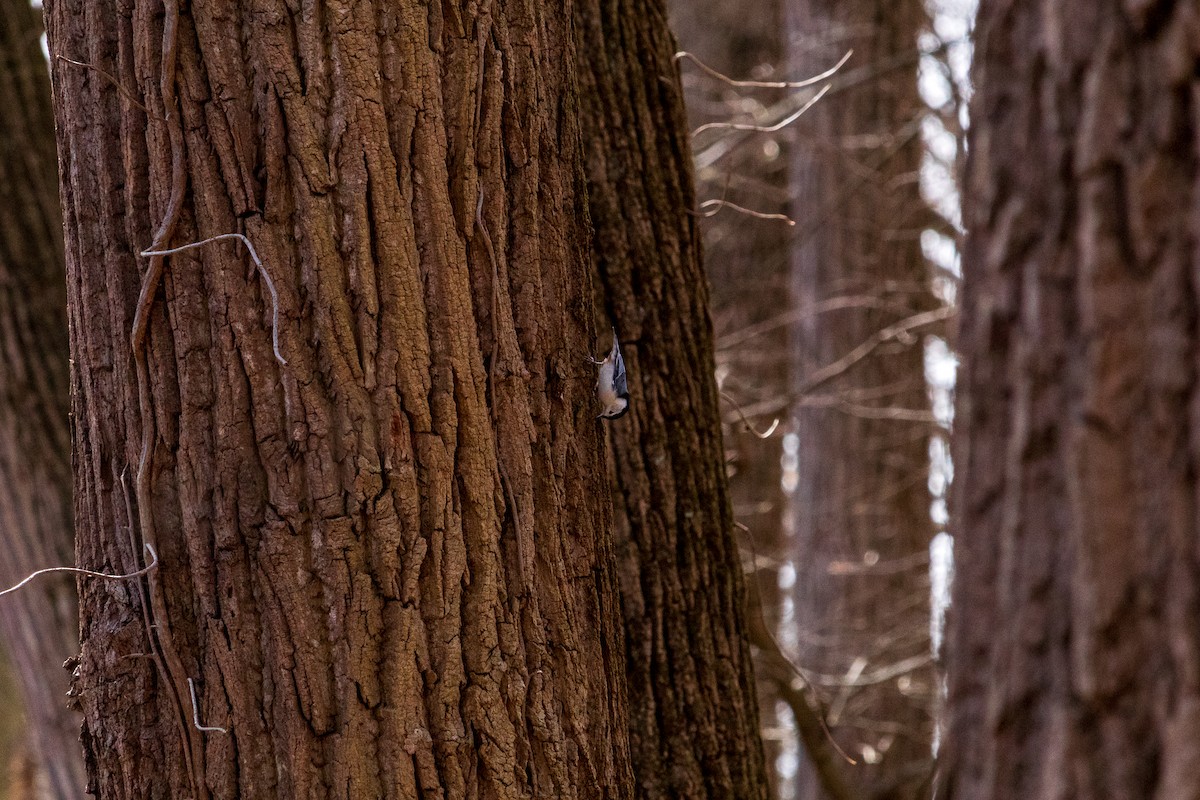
{"type": "Point", "coordinates": [694, 717]}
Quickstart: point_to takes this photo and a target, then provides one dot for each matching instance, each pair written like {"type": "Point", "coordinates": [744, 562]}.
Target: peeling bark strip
{"type": "Point", "coordinates": [385, 567]}
{"type": "Point", "coordinates": [38, 624]}
{"type": "Point", "coordinates": [693, 710]}
{"type": "Point", "coordinates": [1073, 647]}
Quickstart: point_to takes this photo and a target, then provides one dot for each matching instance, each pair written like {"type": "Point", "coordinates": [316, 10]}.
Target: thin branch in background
{"type": "Point", "coordinates": [783, 123]}
{"type": "Point", "coordinates": [748, 332]}
{"type": "Point", "coordinates": [682, 54]}
{"type": "Point", "coordinates": [710, 154]}
{"type": "Point", "coordinates": [761, 435]}
{"type": "Point", "coordinates": [196, 712]}
{"type": "Point", "coordinates": [125, 92]}
{"type": "Point", "coordinates": [857, 677]}
{"type": "Point", "coordinates": [724, 194]}
{"type": "Point", "coordinates": [261, 271]}
{"type": "Point", "coordinates": [88, 572]}
{"type": "Point", "coordinates": [917, 560]}
{"type": "Point", "coordinates": [717, 205]}
{"type": "Point", "coordinates": [822, 749]}
{"type": "Point", "coordinates": [901, 331]}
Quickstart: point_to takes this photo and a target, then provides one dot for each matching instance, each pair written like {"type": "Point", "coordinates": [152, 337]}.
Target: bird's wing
{"type": "Point", "coordinates": [620, 383]}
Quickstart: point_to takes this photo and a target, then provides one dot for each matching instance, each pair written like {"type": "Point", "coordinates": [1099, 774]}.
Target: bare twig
{"type": "Point", "coordinates": [724, 194]}
{"type": "Point", "coordinates": [899, 330]}
{"type": "Point", "coordinates": [125, 92]}
{"type": "Point", "coordinates": [719, 204]}
{"type": "Point", "coordinates": [761, 435]}
{"type": "Point", "coordinates": [682, 54]}
{"type": "Point", "coordinates": [258, 264]}
{"type": "Point", "coordinates": [839, 303]}
{"type": "Point", "coordinates": [196, 712]}
{"type": "Point", "coordinates": [857, 677]}
{"type": "Point", "coordinates": [783, 123]}
{"type": "Point", "coordinates": [823, 751]}
{"type": "Point", "coordinates": [88, 572]}
{"type": "Point", "coordinates": [917, 560]}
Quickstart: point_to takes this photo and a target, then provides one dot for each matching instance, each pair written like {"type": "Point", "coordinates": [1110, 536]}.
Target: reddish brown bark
{"type": "Point", "coordinates": [39, 623]}
{"type": "Point", "coordinates": [385, 563]}
{"type": "Point", "coordinates": [861, 507]}
{"type": "Point", "coordinates": [1073, 649]}
{"type": "Point", "coordinates": [693, 713]}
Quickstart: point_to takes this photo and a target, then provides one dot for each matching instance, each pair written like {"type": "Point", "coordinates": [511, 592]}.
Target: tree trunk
{"type": "Point", "coordinates": [693, 711]}
{"type": "Point", "coordinates": [39, 623]}
{"type": "Point", "coordinates": [386, 563]}
{"type": "Point", "coordinates": [1073, 649]}
{"type": "Point", "coordinates": [746, 262]}
{"type": "Point", "coordinates": [861, 506]}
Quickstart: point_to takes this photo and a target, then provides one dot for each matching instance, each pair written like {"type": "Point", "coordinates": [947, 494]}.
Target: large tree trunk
{"type": "Point", "coordinates": [862, 522]}
{"type": "Point", "coordinates": [1073, 648]}
{"type": "Point", "coordinates": [694, 718]}
{"type": "Point", "coordinates": [38, 623]}
{"type": "Point", "coordinates": [386, 563]}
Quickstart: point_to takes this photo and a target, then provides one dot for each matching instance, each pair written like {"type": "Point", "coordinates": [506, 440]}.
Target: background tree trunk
{"type": "Point", "coordinates": [39, 623]}
{"type": "Point", "coordinates": [1073, 649]}
{"type": "Point", "coordinates": [693, 712]}
{"type": "Point", "coordinates": [386, 563]}
{"type": "Point", "coordinates": [861, 507]}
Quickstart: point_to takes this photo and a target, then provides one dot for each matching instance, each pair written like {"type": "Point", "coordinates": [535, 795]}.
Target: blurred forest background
{"type": "Point", "coordinates": [832, 244]}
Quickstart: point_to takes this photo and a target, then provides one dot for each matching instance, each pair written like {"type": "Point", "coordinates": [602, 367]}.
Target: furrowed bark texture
{"type": "Point", "coordinates": [1073, 650]}
{"type": "Point", "coordinates": [861, 505]}
{"type": "Point", "coordinates": [693, 713]}
{"type": "Point", "coordinates": [39, 623]}
{"type": "Point", "coordinates": [386, 564]}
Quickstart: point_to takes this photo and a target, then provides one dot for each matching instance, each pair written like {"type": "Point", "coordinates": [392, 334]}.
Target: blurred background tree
{"type": "Point", "coordinates": [1073, 649]}
{"type": "Point", "coordinates": [38, 624]}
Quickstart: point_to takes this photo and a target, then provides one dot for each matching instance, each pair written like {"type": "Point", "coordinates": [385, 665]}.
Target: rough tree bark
{"type": "Point", "coordinates": [1073, 649]}
{"type": "Point", "coordinates": [39, 623]}
{"type": "Point", "coordinates": [862, 522]}
{"type": "Point", "coordinates": [385, 564]}
{"type": "Point", "coordinates": [693, 712]}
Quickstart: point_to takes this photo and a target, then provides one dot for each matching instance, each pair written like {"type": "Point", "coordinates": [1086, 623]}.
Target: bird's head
{"type": "Point", "coordinates": [616, 408]}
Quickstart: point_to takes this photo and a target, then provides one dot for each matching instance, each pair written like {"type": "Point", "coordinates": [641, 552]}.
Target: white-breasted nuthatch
{"type": "Point", "coordinates": [612, 388]}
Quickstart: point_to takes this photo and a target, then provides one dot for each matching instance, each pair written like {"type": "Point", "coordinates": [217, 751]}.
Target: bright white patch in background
{"type": "Point", "coordinates": [942, 251]}
{"type": "Point", "coordinates": [787, 576]}
{"type": "Point", "coordinates": [941, 371]}
{"type": "Point", "coordinates": [787, 763]}
{"type": "Point", "coordinates": [941, 568]}
{"type": "Point", "coordinates": [788, 635]}
{"type": "Point", "coordinates": [931, 80]}
{"type": "Point", "coordinates": [790, 463]}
